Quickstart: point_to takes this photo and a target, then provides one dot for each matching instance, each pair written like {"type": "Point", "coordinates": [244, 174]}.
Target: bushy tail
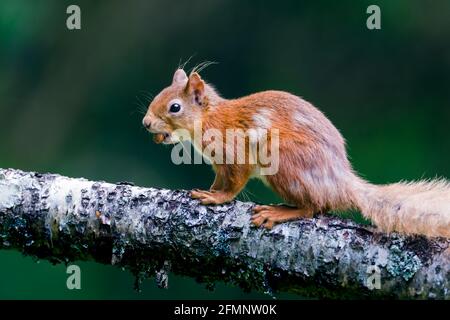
{"type": "Point", "coordinates": [421, 207]}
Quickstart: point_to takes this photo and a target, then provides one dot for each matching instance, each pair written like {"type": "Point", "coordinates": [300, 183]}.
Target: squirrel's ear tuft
{"type": "Point", "coordinates": [196, 87]}
{"type": "Point", "coordinates": [180, 77]}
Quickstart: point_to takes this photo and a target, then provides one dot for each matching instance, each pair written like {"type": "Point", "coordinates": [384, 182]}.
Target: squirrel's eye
{"type": "Point", "coordinates": [175, 107]}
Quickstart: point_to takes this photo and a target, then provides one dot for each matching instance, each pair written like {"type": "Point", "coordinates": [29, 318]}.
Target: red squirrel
{"type": "Point", "coordinates": [314, 173]}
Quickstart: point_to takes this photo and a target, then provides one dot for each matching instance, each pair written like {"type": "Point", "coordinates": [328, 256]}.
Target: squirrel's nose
{"type": "Point", "coordinates": [147, 123]}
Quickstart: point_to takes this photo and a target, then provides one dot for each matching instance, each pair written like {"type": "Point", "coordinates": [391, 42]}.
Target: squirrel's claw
{"type": "Point", "coordinates": [262, 220]}
{"type": "Point", "coordinates": [210, 197]}
{"type": "Point", "coordinates": [269, 216]}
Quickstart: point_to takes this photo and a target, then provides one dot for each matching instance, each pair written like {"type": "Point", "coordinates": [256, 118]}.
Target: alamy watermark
{"type": "Point", "coordinates": [374, 20]}
{"type": "Point", "coordinates": [74, 279]}
{"type": "Point", "coordinates": [73, 21]}
{"type": "Point", "coordinates": [373, 281]}
{"type": "Point", "coordinates": [253, 146]}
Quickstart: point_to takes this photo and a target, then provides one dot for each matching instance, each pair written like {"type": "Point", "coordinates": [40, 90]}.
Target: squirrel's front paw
{"type": "Point", "coordinates": [211, 197]}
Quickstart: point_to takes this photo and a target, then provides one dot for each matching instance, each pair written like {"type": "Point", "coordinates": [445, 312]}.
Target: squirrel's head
{"type": "Point", "coordinates": [178, 107]}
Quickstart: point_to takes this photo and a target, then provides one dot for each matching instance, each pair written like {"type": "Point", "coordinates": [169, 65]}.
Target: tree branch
{"type": "Point", "coordinates": [155, 231]}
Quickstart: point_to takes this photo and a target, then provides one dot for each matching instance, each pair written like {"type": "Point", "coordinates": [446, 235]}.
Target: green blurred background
{"type": "Point", "coordinates": [69, 100]}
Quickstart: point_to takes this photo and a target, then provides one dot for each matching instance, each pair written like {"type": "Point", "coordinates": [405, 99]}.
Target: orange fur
{"type": "Point", "coordinates": [314, 172]}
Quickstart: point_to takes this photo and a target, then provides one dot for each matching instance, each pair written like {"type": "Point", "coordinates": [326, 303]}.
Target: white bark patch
{"type": "Point", "coordinates": [66, 197]}
{"type": "Point", "coordinates": [9, 195]}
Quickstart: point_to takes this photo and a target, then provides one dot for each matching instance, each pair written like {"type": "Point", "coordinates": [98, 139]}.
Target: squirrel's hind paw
{"type": "Point", "coordinates": [269, 216]}
{"type": "Point", "coordinates": [211, 197]}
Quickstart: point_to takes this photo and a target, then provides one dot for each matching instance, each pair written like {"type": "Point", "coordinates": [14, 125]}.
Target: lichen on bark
{"type": "Point", "coordinates": [153, 232]}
